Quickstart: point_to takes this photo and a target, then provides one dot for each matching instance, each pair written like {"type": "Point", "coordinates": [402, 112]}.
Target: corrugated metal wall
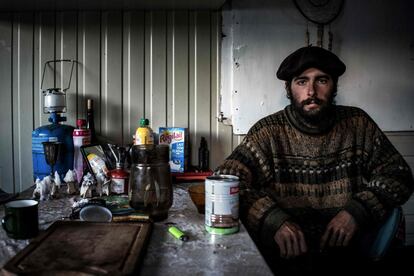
{"type": "Point", "coordinates": [163, 65]}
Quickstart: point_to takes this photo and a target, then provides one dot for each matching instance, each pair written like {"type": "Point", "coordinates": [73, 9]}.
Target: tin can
{"type": "Point", "coordinates": [222, 204]}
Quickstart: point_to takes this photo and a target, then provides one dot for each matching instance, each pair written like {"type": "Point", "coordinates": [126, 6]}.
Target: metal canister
{"type": "Point", "coordinates": [222, 204]}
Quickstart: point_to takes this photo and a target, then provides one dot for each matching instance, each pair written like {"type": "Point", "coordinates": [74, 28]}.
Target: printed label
{"type": "Point", "coordinates": [118, 185]}
{"type": "Point", "coordinates": [175, 137]}
{"type": "Point", "coordinates": [222, 203]}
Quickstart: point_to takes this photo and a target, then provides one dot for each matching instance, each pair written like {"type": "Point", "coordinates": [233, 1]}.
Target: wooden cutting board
{"type": "Point", "coordinates": [85, 248]}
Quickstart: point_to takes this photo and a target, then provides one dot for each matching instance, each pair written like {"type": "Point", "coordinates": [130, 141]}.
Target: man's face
{"type": "Point", "coordinates": [312, 93]}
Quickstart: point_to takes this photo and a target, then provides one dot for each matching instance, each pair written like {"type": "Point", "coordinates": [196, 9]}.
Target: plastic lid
{"type": "Point", "coordinates": [80, 123]}
{"type": "Point", "coordinates": [143, 122]}
{"type": "Point", "coordinates": [89, 103]}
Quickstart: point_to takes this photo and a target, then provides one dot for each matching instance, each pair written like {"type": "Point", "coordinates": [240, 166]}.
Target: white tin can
{"type": "Point", "coordinates": [222, 204]}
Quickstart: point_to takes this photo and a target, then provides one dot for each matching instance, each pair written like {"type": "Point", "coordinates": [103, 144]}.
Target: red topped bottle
{"type": "Point", "coordinates": [119, 177]}
{"type": "Point", "coordinates": [81, 136]}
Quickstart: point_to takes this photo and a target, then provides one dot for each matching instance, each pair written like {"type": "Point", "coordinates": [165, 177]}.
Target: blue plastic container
{"type": "Point", "coordinates": [54, 132]}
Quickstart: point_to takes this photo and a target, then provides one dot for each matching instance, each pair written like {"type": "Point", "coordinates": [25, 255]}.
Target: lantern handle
{"type": "Point", "coordinates": [54, 61]}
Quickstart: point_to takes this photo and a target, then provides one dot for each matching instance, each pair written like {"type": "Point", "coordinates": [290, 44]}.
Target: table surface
{"type": "Point", "coordinates": [202, 254]}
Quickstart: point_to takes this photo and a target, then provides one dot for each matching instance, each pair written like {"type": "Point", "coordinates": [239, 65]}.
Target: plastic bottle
{"type": "Point", "coordinates": [203, 155]}
{"type": "Point", "coordinates": [90, 123]}
{"type": "Point", "coordinates": [144, 134]}
{"type": "Point", "coordinates": [81, 136]}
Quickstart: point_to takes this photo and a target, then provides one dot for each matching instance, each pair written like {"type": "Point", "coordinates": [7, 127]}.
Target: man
{"type": "Point", "coordinates": [315, 176]}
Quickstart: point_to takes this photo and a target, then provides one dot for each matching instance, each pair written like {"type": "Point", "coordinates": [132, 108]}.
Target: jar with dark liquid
{"type": "Point", "coordinates": [150, 185]}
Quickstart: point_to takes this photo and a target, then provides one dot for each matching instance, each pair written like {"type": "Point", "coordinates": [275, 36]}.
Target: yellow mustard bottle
{"type": "Point", "coordinates": [144, 134]}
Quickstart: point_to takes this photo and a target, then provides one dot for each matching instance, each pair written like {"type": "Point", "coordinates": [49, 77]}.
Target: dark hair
{"type": "Point", "coordinates": [289, 91]}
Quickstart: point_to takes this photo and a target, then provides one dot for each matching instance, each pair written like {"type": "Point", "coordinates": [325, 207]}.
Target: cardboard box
{"type": "Point", "coordinates": [177, 139]}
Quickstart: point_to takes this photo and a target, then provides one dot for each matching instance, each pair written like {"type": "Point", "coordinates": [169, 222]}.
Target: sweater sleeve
{"type": "Point", "coordinates": [258, 211]}
{"type": "Point", "coordinates": [388, 180]}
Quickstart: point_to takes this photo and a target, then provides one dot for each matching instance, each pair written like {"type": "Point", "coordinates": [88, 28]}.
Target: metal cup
{"type": "Point", "coordinates": [21, 220]}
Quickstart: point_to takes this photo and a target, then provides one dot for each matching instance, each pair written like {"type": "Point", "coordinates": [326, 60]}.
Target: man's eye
{"type": "Point", "coordinates": [323, 81]}
{"type": "Point", "coordinates": [301, 82]}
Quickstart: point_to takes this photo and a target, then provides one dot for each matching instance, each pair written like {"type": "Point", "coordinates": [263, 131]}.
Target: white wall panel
{"type": "Point", "coordinates": [111, 76]}
{"type": "Point", "coordinates": [45, 50]}
{"type": "Point", "coordinates": [403, 141]}
{"type": "Point", "coordinates": [89, 63]}
{"type": "Point", "coordinates": [6, 98]}
{"type": "Point", "coordinates": [177, 69]}
{"type": "Point", "coordinates": [200, 75]}
{"type": "Point", "coordinates": [66, 42]}
{"type": "Point", "coordinates": [156, 68]}
{"type": "Point", "coordinates": [22, 94]}
{"type": "Point", "coordinates": [220, 143]}
{"type": "Point", "coordinates": [134, 72]}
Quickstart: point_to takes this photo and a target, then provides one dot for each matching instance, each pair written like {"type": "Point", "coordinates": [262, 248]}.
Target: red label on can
{"type": "Point", "coordinates": [234, 190]}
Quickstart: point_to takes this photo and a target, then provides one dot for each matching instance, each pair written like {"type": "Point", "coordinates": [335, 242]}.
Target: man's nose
{"type": "Point", "coordinates": [311, 89]}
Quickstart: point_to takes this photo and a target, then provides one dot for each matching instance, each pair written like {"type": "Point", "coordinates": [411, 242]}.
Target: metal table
{"type": "Point", "coordinates": [202, 254]}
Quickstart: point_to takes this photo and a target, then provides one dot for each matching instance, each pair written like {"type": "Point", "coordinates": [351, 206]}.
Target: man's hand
{"type": "Point", "coordinates": [290, 239]}
{"type": "Point", "coordinates": [339, 231]}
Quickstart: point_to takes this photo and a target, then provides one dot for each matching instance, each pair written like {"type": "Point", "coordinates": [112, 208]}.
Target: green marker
{"type": "Point", "coordinates": [177, 233]}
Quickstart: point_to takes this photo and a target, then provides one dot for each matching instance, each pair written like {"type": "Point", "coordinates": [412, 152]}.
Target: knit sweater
{"type": "Point", "coordinates": [290, 170]}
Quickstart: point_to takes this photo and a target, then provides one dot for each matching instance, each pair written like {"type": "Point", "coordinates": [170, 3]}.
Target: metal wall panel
{"type": "Point", "coordinates": [6, 122]}
{"type": "Point", "coordinates": [22, 94]}
{"type": "Point", "coordinates": [177, 69]}
{"type": "Point", "coordinates": [200, 75]}
{"type": "Point", "coordinates": [134, 72]}
{"type": "Point", "coordinates": [156, 68]}
{"type": "Point", "coordinates": [45, 50]}
{"type": "Point", "coordinates": [89, 64]}
{"type": "Point", "coordinates": [66, 42]}
{"type": "Point", "coordinates": [220, 143]}
{"type": "Point", "coordinates": [162, 65]}
{"type": "Point", "coordinates": [111, 76]}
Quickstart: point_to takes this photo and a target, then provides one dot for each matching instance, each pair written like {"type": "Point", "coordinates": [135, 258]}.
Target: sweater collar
{"type": "Point", "coordinates": [299, 122]}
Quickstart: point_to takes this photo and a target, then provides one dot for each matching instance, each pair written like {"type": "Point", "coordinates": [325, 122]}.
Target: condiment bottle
{"type": "Point", "coordinates": [144, 134]}
{"type": "Point", "coordinates": [120, 179]}
{"type": "Point", "coordinates": [81, 136]}
{"type": "Point", "coordinates": [90, 124]}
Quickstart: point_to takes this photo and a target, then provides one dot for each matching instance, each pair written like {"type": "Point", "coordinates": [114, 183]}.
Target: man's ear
{"type": "Point", "coordinates": [288, 91]}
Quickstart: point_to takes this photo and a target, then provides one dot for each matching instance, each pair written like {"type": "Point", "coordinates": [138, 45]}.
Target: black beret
{"type": "Point", "coordinates": [308, 57]}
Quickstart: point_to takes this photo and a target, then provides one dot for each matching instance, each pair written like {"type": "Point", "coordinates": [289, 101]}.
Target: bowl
{"type": "Point", "coordinates": [95, 213]}
{"type": "Point", "coordinates": [197, 195]}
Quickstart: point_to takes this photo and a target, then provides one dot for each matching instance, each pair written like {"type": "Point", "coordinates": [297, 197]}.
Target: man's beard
{"type": "Point", "coordinates": [313, 116]}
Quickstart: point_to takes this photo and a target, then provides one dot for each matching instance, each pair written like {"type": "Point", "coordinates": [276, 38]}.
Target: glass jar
{"type": "Point", "coordinates": [150, 185]}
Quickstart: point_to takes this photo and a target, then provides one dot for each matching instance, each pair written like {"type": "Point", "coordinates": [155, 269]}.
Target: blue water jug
{"type": "Point", "coordinates": [55, 132]}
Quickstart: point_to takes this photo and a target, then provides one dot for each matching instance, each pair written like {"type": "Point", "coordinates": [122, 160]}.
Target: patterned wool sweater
{"type": "Point", "coordinates": [289, 170]}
